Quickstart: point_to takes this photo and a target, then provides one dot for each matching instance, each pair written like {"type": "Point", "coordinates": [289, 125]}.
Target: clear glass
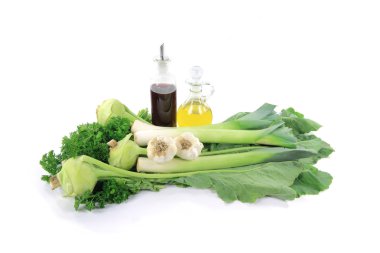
{"type": "Point", "coordinates": [195, 111]}
{"type": "Point", "coordinates": [163, 94]}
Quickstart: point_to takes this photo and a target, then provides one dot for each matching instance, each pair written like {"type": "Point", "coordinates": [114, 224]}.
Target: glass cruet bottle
{"type": "Point", "coordinates": [163, 93]}
{"type": "Point", "coordinates": [195, 111]}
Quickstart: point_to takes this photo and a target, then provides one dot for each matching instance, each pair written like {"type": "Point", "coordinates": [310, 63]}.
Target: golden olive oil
{"type": "Point", "coordinates": [194, 113]}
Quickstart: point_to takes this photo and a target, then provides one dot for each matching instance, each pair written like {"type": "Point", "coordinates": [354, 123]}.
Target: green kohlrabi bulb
{"type": "Point", "coordinates": [110, 108]}
{"type": "Point", "coordinates": [124, 155]}
{"type": "Point", "coordinates": [76, 177]}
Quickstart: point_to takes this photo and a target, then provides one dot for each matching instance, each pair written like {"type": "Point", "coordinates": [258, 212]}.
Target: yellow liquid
{"type": "Point", "coordinates": [194, 113]}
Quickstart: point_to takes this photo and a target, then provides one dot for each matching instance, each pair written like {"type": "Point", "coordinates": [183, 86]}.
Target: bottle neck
{"type": "Point", "coordinates": [195, 90]}
{"type": "Point", "coordinates": [163, 75]}
{"type": "Point", "coordinates": [162, 67]}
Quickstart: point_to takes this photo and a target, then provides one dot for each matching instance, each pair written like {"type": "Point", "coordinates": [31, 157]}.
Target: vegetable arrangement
{"type": "Point", "coordinates": [248, 156]}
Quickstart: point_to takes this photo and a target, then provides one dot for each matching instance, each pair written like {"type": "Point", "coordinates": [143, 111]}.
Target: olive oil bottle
{"type": "Point", "coordinates": [195, 111]}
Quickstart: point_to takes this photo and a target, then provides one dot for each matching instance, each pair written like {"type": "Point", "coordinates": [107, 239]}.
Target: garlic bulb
{"type": "Point", "coordinates": [188, 146]}
{"type": "Point", "coordinates": [161, 149]}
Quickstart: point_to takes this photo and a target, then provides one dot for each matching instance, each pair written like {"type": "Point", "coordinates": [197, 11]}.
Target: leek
{"type": "Point", "coordinates": [275, 135]}
{"type": "Point", "coordinates": [224, 161]}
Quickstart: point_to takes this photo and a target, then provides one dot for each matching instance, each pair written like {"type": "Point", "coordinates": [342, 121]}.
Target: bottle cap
{"type": "Point", "coordinates": [196, 82]}
{"type": "Point", "coordinates": [196, 73]}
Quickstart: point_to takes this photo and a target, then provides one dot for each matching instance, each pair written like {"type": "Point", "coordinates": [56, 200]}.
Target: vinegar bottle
{"type": "Point", "coordinates": [195, 111]}
{"type": "Point", "coordinates": [163, 93]}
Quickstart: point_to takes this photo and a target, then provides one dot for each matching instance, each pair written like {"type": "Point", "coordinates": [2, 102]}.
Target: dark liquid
{"type": "Point", "coordinates": [164, 104]}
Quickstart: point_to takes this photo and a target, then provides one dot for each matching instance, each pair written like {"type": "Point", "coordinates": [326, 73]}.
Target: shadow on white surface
{"type": "Point", "coordinates": [170, 203]}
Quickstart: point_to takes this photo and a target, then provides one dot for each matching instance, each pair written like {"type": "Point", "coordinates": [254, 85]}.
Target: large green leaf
{"type": "Point", "coordinates": [311, 181]}
{"type": "Point", "coordinates": [249, 183]}
{"type": "Point", "coordinates": [312, 142]}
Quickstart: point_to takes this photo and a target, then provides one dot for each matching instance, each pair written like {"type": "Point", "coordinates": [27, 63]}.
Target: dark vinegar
{"type": "Point", "coordinates": [164, 104]}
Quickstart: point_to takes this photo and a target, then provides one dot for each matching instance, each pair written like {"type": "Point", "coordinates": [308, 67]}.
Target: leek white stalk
{"type": "Point", "coordinates": [138, 125]}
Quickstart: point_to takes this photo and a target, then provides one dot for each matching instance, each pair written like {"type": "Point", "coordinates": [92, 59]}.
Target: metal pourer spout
{"type": "Point", "coordinates": [162, 52]}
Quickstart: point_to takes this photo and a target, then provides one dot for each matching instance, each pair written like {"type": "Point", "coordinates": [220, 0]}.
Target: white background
{"type": "Point", "coordinates": [60, 59]}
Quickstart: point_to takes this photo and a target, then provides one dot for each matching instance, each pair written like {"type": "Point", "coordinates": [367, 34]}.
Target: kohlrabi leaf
{"type": "Point", "coordinates": [249, 183]}
{"type": "Point", "coordinates": [312, 142]}
{"type": "Point", "coordinates": [311, 181]}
